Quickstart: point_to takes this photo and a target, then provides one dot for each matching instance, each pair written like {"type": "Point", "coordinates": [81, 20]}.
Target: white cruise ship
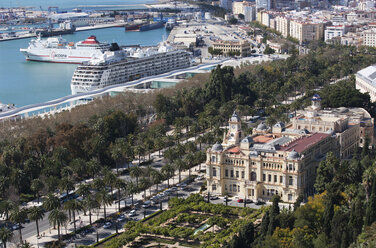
{"type": "Point", "coordinates": [116, 67]}
{"type": "Point", "coordinates": [58, 50]}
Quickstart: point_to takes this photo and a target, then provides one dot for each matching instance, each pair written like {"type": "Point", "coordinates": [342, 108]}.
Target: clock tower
{"type": "Point", "coordinates": [234, 134]}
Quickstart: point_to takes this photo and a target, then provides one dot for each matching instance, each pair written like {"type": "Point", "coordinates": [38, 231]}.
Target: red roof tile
{"type": "Point", "coordinates": [302, 144]}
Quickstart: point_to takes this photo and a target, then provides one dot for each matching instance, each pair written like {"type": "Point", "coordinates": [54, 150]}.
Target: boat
{"type": "Point", "coordinates": [121, 66]}
{"type": "Point", "coordinates": [134, 26]}
{"type": "Point", "coordinates": [64, 28]}
{"type": "Point", "coordinates": [58, 50]}
{"type": "Point", "coordinates": [151, 26]}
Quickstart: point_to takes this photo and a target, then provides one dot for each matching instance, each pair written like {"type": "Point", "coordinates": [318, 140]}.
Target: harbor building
{"type": "Point", "coordinates": [283, 159]}
{"type": "Point", "coordinates": [226, 46]}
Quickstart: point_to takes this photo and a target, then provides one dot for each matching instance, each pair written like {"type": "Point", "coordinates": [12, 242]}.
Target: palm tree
{"type": "Point", "coordinates": [109, 178]}
{"type": "Point", "coordinates": [66, 184]}
{"type": "Point", "coordinates": [89, 204]}
{"type": "Point", "coordinates": [179, 165]}
{"type": "Point", "coordinates": [131, 189]}
{"type": "Point", "coordinates": [5, 207]}
{"type": "Point", "coordinates": [156, 177]}
{"type": "Point", "coordinates": [159, 145]}
{"type": "Point", "coordinates": [73, 206]}
{"type": "Point", "coordinates": [36, 186]}
{"type": "Point", "coordinates": [51, 202]}
{"type": "Point", "coordinates": [5, 236]}
{"type": "Point", "coordinates": [99, 184]}
{"type": "Point", "coordinates": [18, 215]}
{"type": "Point", "coordinates": [79, 168]}
{"type": "Point", "coordinates": [139, 150]}
{"type": "Point", "coordinates": [145, 184]}
{"type": "Point", "coordinates": [149, 144]}
{"type": "Point", "coordinates": [136, 172]}
{"type": "Point", "coordinates": [190, 161]}
{"type": "Point", "coordinates": [36, 214]}
{"type": "Point", "coordinates": [59, 218]}
{"type": "Point", "coordinates": [168, 171]}
{"type": "Point", "coordinates": [93, 167]}
{"type": "Point", "coordinates": [104, 199]}
{"type": "Point", "coordinates": [368, 175]}
{"type": "Point", "coordinates": [119, 184]}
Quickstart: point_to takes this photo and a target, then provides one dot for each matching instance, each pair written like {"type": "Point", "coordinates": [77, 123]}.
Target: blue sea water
{"type": "Point", "coordinates": [68, 4]}
{"type": "Point", "coordinates": [23, 82]}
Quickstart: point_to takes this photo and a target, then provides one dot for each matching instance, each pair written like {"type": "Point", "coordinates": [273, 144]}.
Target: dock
{"type": "Point", "coordinates": [79, 29]}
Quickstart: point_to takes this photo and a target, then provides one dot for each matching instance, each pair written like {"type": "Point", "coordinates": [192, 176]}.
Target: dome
{"type": "Point", "coordinates": [293, 155]}
{"type": "Point", "coordinates": [262, 126]}
{"type": "Point", "coordinates": [235, 117]}
{"type": "Point", "coordinates": [316, 97]}
{"type": "Point", "coordinates": [331, 132]}
{"type": "Point", "coordinates": [279, 125]}
{"type": "Point", "coordinates": [247, 140]}
{"type": "Point", "coordinates": [253, 153]}
{"type": "Point", "coordinates": [217, 147]}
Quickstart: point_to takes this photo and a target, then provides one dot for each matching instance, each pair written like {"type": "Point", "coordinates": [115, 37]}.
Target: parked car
{"type": "Point", "coordinates": [214, 197]}
{"type": "Point", "coordinates": [260, 203]}
{"type": "Point", "coordinates": [16, 226]}
{"type": "Point", "coordinates": [107, 225]}
{"type": "Point", "coordinates": [240, 200]}
{"type": "Point", "coordinates": [226, 199]}
{"type": "Point", "coordinates": [121, 218]}
{"type": "Point", "coordinates": [248, 201]}
{"type": "Point", "coordinates": [132, 213]}
{"type": "Point", "coordinates": [146, 204]}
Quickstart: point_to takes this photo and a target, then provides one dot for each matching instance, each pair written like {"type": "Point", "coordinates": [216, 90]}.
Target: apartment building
{"type": "Point", "coordinates": [241, 47]}
{"type": "Point", "coordinates": [334, 31]}
{"type": "Point", "coordinates": [306, 31]}
{"type": "Point", "coordinates": [369, 37]}
{"type": "Point", "coordinates": [282, 25]}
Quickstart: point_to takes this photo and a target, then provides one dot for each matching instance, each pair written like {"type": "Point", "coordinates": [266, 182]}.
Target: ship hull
{"type": "Point", "coordinates": [56, 32]}
{"type": "Point", "coordinates": [152, 26]}
{"type": "Point", "coordinates": [59, 55]}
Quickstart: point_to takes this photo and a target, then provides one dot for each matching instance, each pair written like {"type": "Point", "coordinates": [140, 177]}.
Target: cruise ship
{"type": "Point", "coordinates": [58, 50]}
{"type": "Point", "coordinates": [121, 66]}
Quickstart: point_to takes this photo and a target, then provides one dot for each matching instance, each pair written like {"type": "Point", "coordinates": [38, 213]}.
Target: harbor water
{"type": "Point", "coordinates": [24, 82]}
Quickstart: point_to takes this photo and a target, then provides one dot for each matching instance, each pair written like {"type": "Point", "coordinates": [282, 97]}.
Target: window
{"type": "Point", "coordinates": [291, 180]}
{"type": "Point", "coordinates": [232, 173]}
{"type": "Point", "coordinates": [214, 187]}
{"type": "Point", "coordinates": [269, 178]}
{"type": "Point", "coordinates": [275, 178]}
{"type": "Point", "coordinates": [214, 172]}
{"type": "Point", "coordinates": [252, 192]}
{"type": "Point", "coordinates": [225, 186]}
{"type": "Point", "coordinates": [230, 187]}
{"type": "Point", "coordinates": [281, 179]}
{"type": "Point", "coordinates": [253, 176]}
{"type": "Point", "coordinates": [238, 188]}
{"type": "Point", "coordinates": [263, 177]}
{"type": "Point", "coordinates": [289, 196]}
{"type": "Point", "coordinates": [213, 159]}
{"type": "Point", "coordinates": [226, 173]}
{"type": "Point", "coordinates": [234, 187]}
{"type": "Point", "coordinates": [242, 174]}
{"type": "Point", "coordinates": [237, 174]}
{"type": "Point", "coordinates": [267, 192]}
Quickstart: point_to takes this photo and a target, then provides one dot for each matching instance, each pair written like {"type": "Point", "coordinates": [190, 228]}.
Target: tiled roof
{"type": "Point", "coordinates": [302, 144]}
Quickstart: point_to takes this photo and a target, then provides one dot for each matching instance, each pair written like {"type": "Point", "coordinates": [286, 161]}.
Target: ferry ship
{"type": "Point", "coordinates": [121, 66]}
{"type": "Point", "coordinates": [58, 50]}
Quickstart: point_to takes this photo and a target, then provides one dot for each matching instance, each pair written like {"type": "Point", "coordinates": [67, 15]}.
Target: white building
{"type": "Point", "coordinates": [226, 4]}
{"type": "Point", "coordinates": [249, 13]}
{"type": "Point", "coordinates": [334, 31]}
{"type": "Point", "coordinates": [263, 4]}
{"type": "Point", "coordinates": [366, 81]}
{"type": "Point", "coordinates": [369, 38]}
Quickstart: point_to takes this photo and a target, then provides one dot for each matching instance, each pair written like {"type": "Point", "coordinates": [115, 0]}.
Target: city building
{"type": "Point", "coordinates": [306, 31]}
{"type": "Point", "coordinates": [350, 126]}
{"type": "Point", "coordinates": [365, 81]}
{"type": "Point", "coordinates": [283, 159]}
{"type": "Point", "coordinates": [226, 4]}
{"type": "Point", "coordinates": [263, 4]}
{"type": "Point", "coordinates": [249, 13]}
{"type": "Point", "coordinates": [272, 161]}
{"type": "Point", "coordinates": [243, 48]}
{"type": "Point", "coordinates": [369, 37]}
{"type": "Point", "coordinates": [282, 25]}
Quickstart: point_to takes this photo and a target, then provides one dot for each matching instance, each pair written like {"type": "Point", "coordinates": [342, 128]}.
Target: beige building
{"type": "Point", "coordinates": [283, 160]}
{"type": "Point", "coordinates": [282, 25]}
{"type": "Point", "coordinates": [366, 81]}
{"type": "Point", "coordinates": [257, 167]}
{"type": "Point", "coordinates": [306, 31]}
{"type": "Point", "coordinates": [351, 126]}
{"type": "Point", "coordinates": [243, 47]}
{"type": "Point", "coordinates": [369, 37]}
{"type": "Point", "coordinates": [237, 8]}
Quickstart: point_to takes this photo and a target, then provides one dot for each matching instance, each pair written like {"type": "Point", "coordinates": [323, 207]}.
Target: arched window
{"type": "Point", "coordinates": [253, 176]}
{"type": "Point", "coordinates": [213, 159]}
